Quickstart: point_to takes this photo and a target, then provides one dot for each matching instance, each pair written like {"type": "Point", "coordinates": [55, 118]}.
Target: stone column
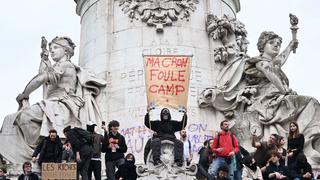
{"type": "Point", "coordinates": [113, 45]}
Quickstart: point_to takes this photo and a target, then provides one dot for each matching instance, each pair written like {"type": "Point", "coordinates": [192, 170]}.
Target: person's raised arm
{"type": "Point", "coordinates": [254, 141]}
{"type": "Point", "coordinates": [147, 120]}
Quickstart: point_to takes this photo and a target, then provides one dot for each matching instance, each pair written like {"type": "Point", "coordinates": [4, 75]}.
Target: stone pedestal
{"type": "Point", "coordinates": [113, 45]}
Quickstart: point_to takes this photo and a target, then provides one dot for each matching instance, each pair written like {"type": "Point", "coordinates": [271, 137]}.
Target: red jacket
{"type": "Point", "coordinates": [225, 142]}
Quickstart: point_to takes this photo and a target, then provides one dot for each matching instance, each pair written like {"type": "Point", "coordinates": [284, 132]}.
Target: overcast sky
{"type": "Point", "coordinates": [23, 22]}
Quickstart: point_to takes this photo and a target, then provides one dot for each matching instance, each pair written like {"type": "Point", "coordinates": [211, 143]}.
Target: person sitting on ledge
{"type": "Point", "coordinates": [165, 129]}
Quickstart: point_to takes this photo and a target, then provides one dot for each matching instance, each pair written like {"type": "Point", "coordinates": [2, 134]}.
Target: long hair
{"type": "Point", "coordinates": [293, 134]}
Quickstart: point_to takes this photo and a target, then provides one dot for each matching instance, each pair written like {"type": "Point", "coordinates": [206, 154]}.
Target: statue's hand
{"type": "Point", "coordinates": [293, 44]}
{"type": "Point", "coordinates": [44, 54]}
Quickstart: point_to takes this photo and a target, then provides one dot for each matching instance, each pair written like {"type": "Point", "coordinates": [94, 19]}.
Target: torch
{"type": "Point", "coordinates": [294, 28]}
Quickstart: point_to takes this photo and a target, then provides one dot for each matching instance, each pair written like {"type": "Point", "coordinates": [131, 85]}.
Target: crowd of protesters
{"type": "Point", "coordinates": [220, 158]}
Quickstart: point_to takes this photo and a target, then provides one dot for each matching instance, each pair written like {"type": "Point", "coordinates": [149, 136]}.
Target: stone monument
{"type": "Point", "coordinates": [116, 34]}
{"type": "Point", "coordinates": [225, 82]}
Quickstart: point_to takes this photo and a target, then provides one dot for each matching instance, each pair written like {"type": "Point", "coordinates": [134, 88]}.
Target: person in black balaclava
{"type": "Point", "coordinates": [127, 171]}
{"type": "Point", "coordinates": [95, 163]}
{"type": "Point", "coordinates": [250, 169]}
{"type": "Point", "coordinates": [165, 129]}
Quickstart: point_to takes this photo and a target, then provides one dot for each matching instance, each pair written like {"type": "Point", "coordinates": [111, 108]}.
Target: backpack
{"type": "Point", "coordinates": [231, 135]}
{"type": "Point", "coordinates": [85, 135]}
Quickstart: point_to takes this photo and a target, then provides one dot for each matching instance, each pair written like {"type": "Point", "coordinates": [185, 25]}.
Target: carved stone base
{"type": "Point", "coordinates": [167, 170]}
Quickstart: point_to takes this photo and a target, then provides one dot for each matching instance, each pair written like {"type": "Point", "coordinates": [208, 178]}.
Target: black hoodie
{"type": "Point", "coordinates": [165, 127]}
{"type": "Point", "coordinates": [50, 151]}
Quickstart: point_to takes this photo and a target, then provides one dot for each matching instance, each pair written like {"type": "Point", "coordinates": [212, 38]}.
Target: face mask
{"type": "Point", "coordinates": [253, 166]}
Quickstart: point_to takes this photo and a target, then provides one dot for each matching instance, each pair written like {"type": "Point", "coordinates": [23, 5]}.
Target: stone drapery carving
{"type": "Point", "coordinates": [254, 93]}
{"type": "Point", "coordinates": [69, 99]}
{"type": "Point", "coordinates": [158, 13]}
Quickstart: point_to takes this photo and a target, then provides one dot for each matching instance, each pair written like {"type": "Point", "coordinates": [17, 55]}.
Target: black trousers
{"type": "Point", "coordinates": [95, 167]}
{"type": "Point", "coordinates": [83, 167]}
{"type": "Point", "coordinates": [156, 149]}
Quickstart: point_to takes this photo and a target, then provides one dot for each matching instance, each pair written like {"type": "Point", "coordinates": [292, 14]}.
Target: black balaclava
{"type": "Point", "coordinates": [248, 162]}
{"type": "Point", "coordinates": [90, 128]}
{"type": "Point", "coordinates": [131, 162]}
{"type": "Point", "coordinates": [165, 111]}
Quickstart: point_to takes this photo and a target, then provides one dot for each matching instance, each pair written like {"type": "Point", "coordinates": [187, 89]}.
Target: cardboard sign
{"type": "Point", "coordinates": [59, 171]}
{"type": "Point", "coordinates": [167, 80]}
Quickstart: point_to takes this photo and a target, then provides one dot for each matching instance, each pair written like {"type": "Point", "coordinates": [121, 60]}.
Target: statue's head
{"type": "Point", "coordinates": [64, 43]}
{"type": "Point", "coordinates": [165, 115]}
{"type": "Point", "coordinates": [266, 38]}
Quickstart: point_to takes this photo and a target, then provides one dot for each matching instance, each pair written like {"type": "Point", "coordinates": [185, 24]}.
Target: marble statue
{"type": "Point", "coordinates": [68, 99]}
{"type": "Point", "coordinates": [254, 93]}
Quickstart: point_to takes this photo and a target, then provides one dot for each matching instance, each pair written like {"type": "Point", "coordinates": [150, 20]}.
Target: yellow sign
{"type": "Point", "coordinates": [167, 80]}
{"type": "Point", "coordinates": [59, 171]}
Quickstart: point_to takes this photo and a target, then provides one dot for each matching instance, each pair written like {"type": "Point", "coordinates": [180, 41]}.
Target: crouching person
{"type": "Point", "coordinates": [165, 129]}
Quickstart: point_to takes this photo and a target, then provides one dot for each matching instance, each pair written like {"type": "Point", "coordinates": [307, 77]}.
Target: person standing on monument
{"type": "Point", "coordinates": [295, 143]}
{"type": "Point", "coordinates": [187, 150]}
{"type": "Point", "coordinates": [81, 142]}
{"type": "Point", "coordinates": [165, 129]}
{"type": "Point", "coordinates": [49, 150]}
{"type": "Point", "coordinates": [114, 145]}
{"type": "Point", "coordinates": [95, 163]}
{"type": "Point", "coordinates": [225, 146]}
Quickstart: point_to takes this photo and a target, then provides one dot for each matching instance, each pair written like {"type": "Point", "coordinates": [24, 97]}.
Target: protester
{"type": "Point", "coordinates": [225, 145]}
{"type": "Point", "coordinates": [275, 170]}
{"type": "Point", "coordinates": [2, 174]}
{"type": "Point", "coordinates": [223, 173]}
{"type": "Point", "coordinates": [295, 143]}
{"type": "Point", "coordinates": [264, 150]}
{"type": "Point", "coordinates": [165, 129]}
{"type": "Point", "coordinates": [205, 159]}
{"type": "Point", "coordinates": [27, 172]}
{"type": "Point", "coordinates": [67, 153]}
{"type": "Point", "coordinates": [250, 170]}
{"type": "Point", "coordinates": [114, 146]}
{"type": "Point", "coordinates": [49, 149]}
{"type": "Point", "coordinates": [127, 171]}
{"type": "Point", "coordinates": [301, 169]}
{"type": "Point", "coordinates": [81, 143]}
{"type": "Point", "coordinates": [282, 150]}
{"type": "Point", "coordinates": [238, 162]}
{"type": "Point", "coordinates": [187, 152]}
{"type": "Point", "coordinates": [95, 163]}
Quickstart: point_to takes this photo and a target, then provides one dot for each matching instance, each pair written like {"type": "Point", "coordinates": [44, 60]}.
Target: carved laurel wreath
{"type": "Point", "coordinates": [158, 13]}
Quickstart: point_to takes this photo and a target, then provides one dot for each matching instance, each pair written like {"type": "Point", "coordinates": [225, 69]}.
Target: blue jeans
{"type": "Point", "coordinates": [218, 162]}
